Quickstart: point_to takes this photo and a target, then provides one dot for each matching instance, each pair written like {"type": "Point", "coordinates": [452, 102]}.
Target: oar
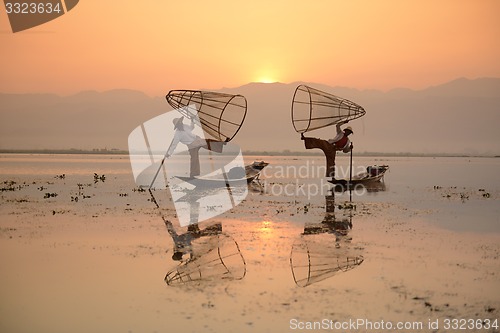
{"type": "Point", "coordinates": [350, 178]}
{"type": "Point", "coordinates": [162, 161]}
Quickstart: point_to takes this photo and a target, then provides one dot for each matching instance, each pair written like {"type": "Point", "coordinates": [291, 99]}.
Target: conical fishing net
{"type": "Point", "coordinates": [314, 109]}
{"type": "Point", "coordinates": [221, 115]}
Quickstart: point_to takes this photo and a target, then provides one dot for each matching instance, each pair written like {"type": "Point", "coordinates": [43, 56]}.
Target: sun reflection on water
{"type": "Point", "coordinates": [266, 229]}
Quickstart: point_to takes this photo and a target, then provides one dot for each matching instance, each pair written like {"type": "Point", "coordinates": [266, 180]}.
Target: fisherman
{"type": "Point", "coordinates": [184, 134]}
{"type": "Point", "coordinates": [330, 147]}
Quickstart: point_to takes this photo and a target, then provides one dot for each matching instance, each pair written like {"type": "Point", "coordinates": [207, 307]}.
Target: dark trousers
{"type": "Point", "coordinates": [329, 151]}
{"type": "Point", "coordinates": [194, 153]}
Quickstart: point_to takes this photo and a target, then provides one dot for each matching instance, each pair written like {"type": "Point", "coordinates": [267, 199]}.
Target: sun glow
{"type": "Point", "coordinates": [266, 229]}
{"type": "Point", "coordinates": [266, 80]}
{"type": "Point", "coordinates": [265, 76]}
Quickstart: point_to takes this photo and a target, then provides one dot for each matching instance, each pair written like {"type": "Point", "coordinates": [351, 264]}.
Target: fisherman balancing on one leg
{"type": "Point", "coordinates": [184, 134]}
{"type": "Point", "coordinates": [330, 147]}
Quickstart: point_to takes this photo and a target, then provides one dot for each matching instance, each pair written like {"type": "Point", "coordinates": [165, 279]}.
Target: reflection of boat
{"type": "Point", "coordinates": [374, 187]}
{"type": "Point", "coordinates": [235, 175]}
{"type": "Point", "coordinates": [373, 174]}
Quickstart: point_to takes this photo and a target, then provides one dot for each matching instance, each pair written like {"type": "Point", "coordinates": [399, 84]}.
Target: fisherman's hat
{"type": "Point", "coordinates": [349, 128]}
{"type": "Point", "coordinates": [175, 121]}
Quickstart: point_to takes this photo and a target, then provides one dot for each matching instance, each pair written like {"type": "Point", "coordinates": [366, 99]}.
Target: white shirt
{"type": "Point", "coordinates": [339, 136]}
{"type": "Point", "coordinates": [185, 136]}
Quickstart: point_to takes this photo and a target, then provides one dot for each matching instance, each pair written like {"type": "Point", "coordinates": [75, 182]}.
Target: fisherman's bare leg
{"type": "Point", "coordinates": [327, 148]}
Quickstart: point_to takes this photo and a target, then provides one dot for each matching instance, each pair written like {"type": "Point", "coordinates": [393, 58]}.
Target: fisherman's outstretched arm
{"type": "Point", "coordinates": [339, 130]}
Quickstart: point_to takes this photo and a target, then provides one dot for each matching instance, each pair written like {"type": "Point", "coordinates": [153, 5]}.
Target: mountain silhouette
{"type": "Point", "coordinates": [458, 117]}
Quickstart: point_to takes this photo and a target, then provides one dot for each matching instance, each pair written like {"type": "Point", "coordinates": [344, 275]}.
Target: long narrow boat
{"type": "Point", "coordinates": [374, 173]}
{"type": "Point", "coordinates": [251, 173]}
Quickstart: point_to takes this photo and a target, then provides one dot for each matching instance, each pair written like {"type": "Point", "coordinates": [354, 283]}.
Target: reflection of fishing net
{"type": "Point", "coordinates": [313, 109]}
{"type": "Point", "coordinates": [217, 258]}
{"type": "Point", "coordinates": [221, 115]}
{"type": "Point", "coordinates": [312, 260]}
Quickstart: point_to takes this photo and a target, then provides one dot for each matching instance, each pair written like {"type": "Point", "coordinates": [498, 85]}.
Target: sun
{"type": "Point", "coordinates": [265, 76]}
{"type": "Point", "coordinates": [266, 79]}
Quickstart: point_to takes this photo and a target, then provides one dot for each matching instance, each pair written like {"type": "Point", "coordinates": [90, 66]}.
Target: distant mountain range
{"type": "Point", "coordinates": [460, 116]}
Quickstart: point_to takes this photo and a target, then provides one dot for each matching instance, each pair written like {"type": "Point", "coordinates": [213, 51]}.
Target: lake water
{"type": "Point", "coordinates": [97, 264]}
{"type": "Point", "coordinates": [462, 192]}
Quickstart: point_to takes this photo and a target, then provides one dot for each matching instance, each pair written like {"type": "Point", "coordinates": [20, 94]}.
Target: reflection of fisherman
{"type": "Point", "coordinates": [330, 147]}
{"type": "Point", "coordinates": [185, 135]}
{"type": "Point", "coordinates": [183, 242]}
{"type": "Point", "coordinates": [340, 229]}
{"type": "Point", "coordinates": [331, 226]}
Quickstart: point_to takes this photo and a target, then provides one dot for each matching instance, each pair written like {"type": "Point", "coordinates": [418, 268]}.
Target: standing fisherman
{"type": "Point", "coordinates": [184, 134]}
{"type": "Point", "coordinates": [330, 147]}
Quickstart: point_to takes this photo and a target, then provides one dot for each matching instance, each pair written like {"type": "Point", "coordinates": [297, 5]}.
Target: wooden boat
{"type": "Point", "coordinates": [251, 173]}
{"type": "Point", "coordinates": [373, 174]}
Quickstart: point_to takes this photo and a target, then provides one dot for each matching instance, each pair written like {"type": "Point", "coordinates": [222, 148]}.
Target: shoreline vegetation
{"type": "Point", "coordinates": [115, 151]}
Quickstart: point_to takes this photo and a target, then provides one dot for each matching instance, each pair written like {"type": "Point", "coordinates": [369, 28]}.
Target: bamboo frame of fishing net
{"type": "Point", "coordinates": [221, 115]}
{"type": "Point", "coordinates": [217, 263]}
{"type": "Point", "coordinates": [312, 262]}
{"type": "Point", "coordinates": [314, 109]}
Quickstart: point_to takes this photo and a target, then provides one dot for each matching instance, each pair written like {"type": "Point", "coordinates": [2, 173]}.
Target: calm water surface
{"type": "Point", "coordinates": [462, 193]}
{"type": "Point", "coordinates": [98, 265]}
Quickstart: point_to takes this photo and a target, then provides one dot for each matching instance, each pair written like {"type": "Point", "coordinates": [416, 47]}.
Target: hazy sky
{"type": "Point", "coordinates": [157, 45]}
